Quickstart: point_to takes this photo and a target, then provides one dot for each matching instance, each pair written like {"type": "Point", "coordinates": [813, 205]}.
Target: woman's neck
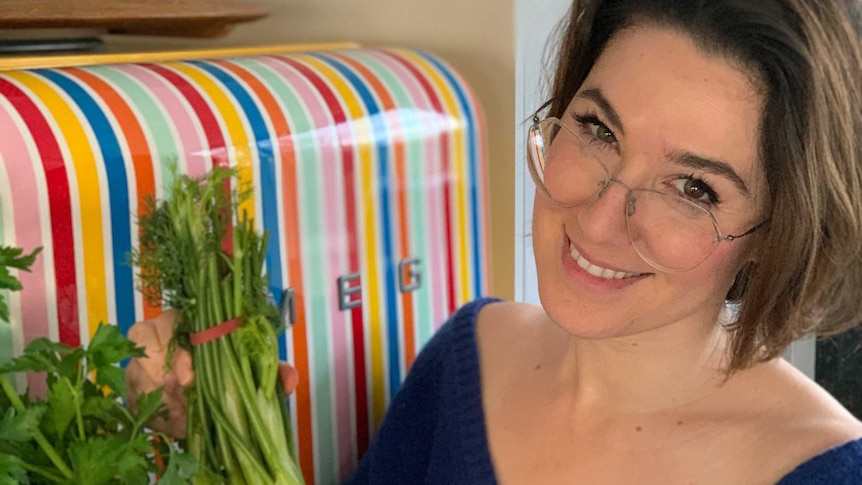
{"type": "Point", "coordinates": [655, 371]}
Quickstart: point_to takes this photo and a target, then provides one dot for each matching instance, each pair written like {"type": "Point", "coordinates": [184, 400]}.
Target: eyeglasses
{"type": "Point", "coordinates": [668, 227]}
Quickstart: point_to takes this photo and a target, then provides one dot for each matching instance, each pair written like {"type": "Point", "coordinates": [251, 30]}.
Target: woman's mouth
{"type": "Point", "coordinates": [599, 271]}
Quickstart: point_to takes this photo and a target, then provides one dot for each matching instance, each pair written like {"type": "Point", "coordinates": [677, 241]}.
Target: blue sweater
{"type": "Point", "coordinates": [434, 430]}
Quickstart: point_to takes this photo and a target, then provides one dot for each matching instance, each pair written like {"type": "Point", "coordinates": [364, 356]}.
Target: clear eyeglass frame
{"type": "Point", "coordinates": [536, 164]}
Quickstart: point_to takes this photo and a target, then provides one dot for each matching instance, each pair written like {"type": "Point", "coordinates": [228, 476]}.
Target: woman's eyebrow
{"type": "Point", "coordinates": [684, 158]}
{"type": "Point", "coordinates": [595, 95]}
{"type": "Point", "coordinates": [709, 165]}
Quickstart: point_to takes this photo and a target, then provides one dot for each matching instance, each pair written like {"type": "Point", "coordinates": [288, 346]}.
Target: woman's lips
{"type": "Point", "coordinates": [595, 274]}
{"type": "Point", "coordinates": [596, 270]}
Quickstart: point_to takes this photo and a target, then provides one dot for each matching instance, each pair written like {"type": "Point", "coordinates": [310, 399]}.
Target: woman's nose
{"type": "Point", "coordinates": [602, 219]}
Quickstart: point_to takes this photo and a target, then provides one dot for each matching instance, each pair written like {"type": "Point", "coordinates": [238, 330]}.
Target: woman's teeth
{"type": "Point", "coordinates": [598, 271]}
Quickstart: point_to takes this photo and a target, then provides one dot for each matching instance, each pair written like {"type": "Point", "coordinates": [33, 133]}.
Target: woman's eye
{"type": "Point", "coordinates": [602, 133]}
{"type": "Point", "coordinates": [696, 190]}
{"type": "Point", "coordinates": [591, 124]}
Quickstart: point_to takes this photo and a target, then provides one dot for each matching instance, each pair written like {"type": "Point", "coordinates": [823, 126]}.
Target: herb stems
{"type": "Point", "coordinates": [200, 255]}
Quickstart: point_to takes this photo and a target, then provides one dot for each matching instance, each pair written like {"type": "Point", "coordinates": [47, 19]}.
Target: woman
{"type": "Point", "coordinates": [671, 126]}
{"type": "Point", "coordinates": [699, 207]}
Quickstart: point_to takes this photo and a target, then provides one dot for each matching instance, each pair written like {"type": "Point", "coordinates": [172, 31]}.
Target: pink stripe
{"type": "Point", "coordinates": [326, 136]}
{"type": "Point", "coordinates": [434, 201]}
{"type": "Point", "coordinates": [189, 133]}
{"type": "Point", "coordinates": [28, 232]}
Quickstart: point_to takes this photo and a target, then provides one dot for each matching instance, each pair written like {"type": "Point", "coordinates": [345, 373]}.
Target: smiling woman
{"type": "Point", "coordinates": [684, 138]}
{"type": "Point", "coordinates": [698, 208]}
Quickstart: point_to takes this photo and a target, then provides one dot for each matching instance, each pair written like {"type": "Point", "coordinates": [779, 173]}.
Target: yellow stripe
{"type": "Point", "coordinates": [459, 170]}
{"type": "Point", "coordinates": [363, 134]}
{"type": "Point", "coordinates": [237, 141]}
{"type": "Point", "coordinates": [88, 191]}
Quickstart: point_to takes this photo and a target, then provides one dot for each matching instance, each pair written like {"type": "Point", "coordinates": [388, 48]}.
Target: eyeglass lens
{"type": "Point", "coordinates": [667, 231]}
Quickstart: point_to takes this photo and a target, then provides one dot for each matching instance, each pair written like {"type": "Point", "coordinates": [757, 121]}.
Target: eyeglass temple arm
{"type": "Point", "coordinates": [535, 116]}
{"type": "Point", "coordinates": [732, 237]}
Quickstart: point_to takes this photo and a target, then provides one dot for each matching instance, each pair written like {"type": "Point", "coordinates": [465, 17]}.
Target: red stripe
{"type": "Point", "coordinates": [390, 109]}
{"type": "Point", "coordinates": [340, 119]}
{"type": "Point", "coordinates": [444, 143]}
{"type": "Point", "coordinates": [59, 202]}
{"type": "Point", "coordinates": [139, 149]}
{"type": "Point", "coordinates": [293, 251]}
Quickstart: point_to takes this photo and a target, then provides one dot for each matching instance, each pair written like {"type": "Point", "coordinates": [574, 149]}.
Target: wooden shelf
{"type": "Point", "coordinates": [178, 18]}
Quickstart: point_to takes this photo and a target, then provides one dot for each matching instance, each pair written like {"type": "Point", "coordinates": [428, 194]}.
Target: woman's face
{"type": "Point", "coordinates": [668, 117]}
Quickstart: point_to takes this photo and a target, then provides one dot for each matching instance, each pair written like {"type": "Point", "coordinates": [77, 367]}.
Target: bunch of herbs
{"type": "Point", "coordinates": [80, 433]}
{"type": "Point", "coordinates": [201, 255]}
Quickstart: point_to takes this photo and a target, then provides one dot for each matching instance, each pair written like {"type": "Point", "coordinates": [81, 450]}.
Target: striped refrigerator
{"type": "Point", "coordinates": [369, 173]}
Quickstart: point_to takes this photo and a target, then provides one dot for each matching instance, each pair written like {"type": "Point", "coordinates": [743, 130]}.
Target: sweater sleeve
{"type": "Point", "coordinates": [419, 438]}
{"type": "Point", "coordinates": [401, 447]}
{"type": "Point", "coordinates": [838, 466]}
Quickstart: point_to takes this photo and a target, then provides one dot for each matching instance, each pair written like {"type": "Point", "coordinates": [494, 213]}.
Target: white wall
{"type": "Point", "coordinates": [535, 21]}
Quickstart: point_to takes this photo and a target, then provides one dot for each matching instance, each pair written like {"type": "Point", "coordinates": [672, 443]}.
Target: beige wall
{"type": "Point", "coordinates": [476, 37]}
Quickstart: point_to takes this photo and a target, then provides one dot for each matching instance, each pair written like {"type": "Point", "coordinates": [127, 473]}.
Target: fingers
{"type": "Point", "coordinates": [175, 401]}
{"type": "Point", "coordinates": [182, 367]}
{"type": "Point", "coordinates": [164, 326]}
{"type": "Point", "coordinates": [148, 373]}
{"type": "Point", "coordinates": [134, 378]}
{"type": "Point", "coordinates": [289, 377]}
{"type": "Point", "coordinates": [143, 334]}
{"type": "Point", "coordinates": [145, 374]}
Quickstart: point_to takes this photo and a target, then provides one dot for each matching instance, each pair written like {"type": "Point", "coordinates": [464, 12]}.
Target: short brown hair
{"type": "Point", "coordinates": [805, 57]}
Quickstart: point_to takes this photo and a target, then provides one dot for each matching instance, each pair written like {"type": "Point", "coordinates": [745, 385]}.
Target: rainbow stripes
{"type": "Point", "coordinates": [359, 158]}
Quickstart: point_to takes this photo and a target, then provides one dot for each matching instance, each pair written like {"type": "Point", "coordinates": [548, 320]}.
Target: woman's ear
{"type": "Point", "coordinates": [737, 289]}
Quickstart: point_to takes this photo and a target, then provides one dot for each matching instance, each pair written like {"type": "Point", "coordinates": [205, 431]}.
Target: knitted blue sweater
{"type": "Point", "coordinates": [434, 430]}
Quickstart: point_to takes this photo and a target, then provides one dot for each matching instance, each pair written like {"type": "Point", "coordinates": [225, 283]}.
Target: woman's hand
{"type": "Point", "coordinates": [148, 373]}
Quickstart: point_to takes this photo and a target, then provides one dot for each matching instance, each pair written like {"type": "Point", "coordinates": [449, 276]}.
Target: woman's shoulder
{"type": "Point", "coordinates": [512, 338]}
{"type": "Point", "coordinates": [799, 423]}
{"type": "Point", "coordinates": [509, 328]}
{"type": "Point", "coordinates": [798, 401]}
{"type": "Point", "coordinates": [460, 328]}
{"type": "Point", "coordinates": [508, 318]}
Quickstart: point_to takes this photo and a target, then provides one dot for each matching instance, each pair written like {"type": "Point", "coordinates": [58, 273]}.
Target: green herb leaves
{"type": "Point", "coordinates": [12, 258]}
{"type": "Point", "coordinates": [81, 432]}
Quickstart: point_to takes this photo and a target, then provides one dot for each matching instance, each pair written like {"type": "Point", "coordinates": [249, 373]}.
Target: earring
{"type": "Point", "coordinates": [737, 290]}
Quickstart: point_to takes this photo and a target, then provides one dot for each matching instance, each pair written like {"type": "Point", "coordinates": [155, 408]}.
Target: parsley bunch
{"type": "Point", "coordinates": [80, 433]}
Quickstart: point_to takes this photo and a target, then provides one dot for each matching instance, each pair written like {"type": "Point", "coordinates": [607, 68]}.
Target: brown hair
{"type": "Point", "coordinates": [805, 57]}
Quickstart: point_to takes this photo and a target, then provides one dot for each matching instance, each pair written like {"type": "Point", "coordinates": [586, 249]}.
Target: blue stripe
{"type": "Point", "coordinates": [381, 140]}
{"type": "Point", "coordinates": [268, 182]}
{"type": "Point", "coordinates": [473, 143]}
{"type": "Point", "coordinates": [118, 193]}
